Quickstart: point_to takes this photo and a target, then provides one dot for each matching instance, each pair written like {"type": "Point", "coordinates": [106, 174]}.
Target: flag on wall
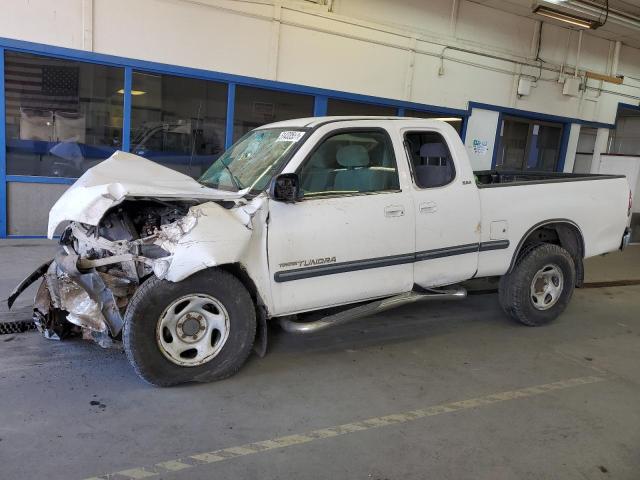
{"type": "Point", "coordinates": [41, 84]}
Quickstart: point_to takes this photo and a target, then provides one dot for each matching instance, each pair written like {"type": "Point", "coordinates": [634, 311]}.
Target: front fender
{"type": "Point", "coordinates": [221, 236]}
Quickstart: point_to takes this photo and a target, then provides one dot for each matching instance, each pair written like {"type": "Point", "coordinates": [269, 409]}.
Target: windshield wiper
{"type": "Point", "coordinates": [233, 178]}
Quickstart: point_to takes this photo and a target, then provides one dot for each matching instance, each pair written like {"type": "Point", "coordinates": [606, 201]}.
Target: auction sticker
{"type": "Point", "coordinates": [290, 136]}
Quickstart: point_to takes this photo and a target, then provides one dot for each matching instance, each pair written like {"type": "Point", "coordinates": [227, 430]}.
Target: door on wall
{"type": "Point", "coordinates": [584, 151]}
{"type": "Point", "coordinates": [529, 145]}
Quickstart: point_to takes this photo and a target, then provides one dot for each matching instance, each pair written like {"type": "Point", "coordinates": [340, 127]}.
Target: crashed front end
{"type": "Point", "coordinates": [88, 285]}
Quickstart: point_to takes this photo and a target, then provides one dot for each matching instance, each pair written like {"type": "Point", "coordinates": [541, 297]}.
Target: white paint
{"type": "Point", "coordinates": [572, 147]}
{"type": "Point", "coordinates": [122, 176]}
{"type": "Point", "coordinates": [263, 446]}
{"type": "Point", "coordinates": [599, 148]}
{"type": "Point", "coordinates": [481, 128]}
{"type": "Point", "coordinates": [629, 167]}
{"type": "Point", "coordinates": [347, 227]}
{"type": "Point", "coordinates": [597, 207]}
{"type": "Point", "coordinates": [87, 25]}
{"type": "Point", "coordinates": [444, 219]}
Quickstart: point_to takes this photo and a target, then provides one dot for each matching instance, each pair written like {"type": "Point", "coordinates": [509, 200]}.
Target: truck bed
{"type": "Point", "coordinates": [507, 178]}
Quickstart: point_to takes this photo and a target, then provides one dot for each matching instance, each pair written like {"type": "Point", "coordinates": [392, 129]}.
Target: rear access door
{"type": "Point", "coordinates": [446, 204]}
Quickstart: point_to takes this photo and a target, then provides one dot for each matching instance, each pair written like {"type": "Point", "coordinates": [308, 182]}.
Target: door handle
{"type": "Point", "coordinates": [428, 207]}
{"type": "Point", "coordinates": [393, 211]}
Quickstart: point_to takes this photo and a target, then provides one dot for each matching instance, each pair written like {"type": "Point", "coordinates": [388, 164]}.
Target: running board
{"type": "Point", "coordinates": [371, 308]}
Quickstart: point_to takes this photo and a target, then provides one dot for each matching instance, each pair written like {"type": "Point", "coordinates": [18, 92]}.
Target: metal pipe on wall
{"type": "Point", "coordinates": [575, 72]}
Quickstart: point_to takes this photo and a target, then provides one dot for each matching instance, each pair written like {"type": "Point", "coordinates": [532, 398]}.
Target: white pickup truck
{"type": "Point", "coordinates": [315, 222]}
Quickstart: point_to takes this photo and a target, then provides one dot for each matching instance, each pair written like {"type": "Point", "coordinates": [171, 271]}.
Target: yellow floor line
{"type": "Point", "coordinates": [181, 464]}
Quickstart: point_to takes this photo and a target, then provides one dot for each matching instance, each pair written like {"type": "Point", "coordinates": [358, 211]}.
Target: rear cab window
{"type": "Point", "coordinates": [431, 162]}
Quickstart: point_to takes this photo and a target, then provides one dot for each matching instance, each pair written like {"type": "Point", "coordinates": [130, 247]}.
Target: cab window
{"type": "Point", "coordinates": [350, 162]}
{"type": "Point", "coordinates": [430, 159]}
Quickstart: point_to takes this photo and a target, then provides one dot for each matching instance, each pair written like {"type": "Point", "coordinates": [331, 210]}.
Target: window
{"type": "Point", "coordinates": [344, 107]}
{"type": "Point", "coordinates": [431, 160]}
{"type": "Point", "coordinates": [178, 122]}
{"type": "Point", "coordinates": [350, 162]}
{"type": "Point", "coordinates": [529, 145]}
{"type": "Point", "coordinates": [625, 138]}
{"type": "Point", "coordinates": [455, 122]}
{"type": "Point", "coordinates": [62, 116]}
{"type": "Point", "coordinates": [255, 107]}
{"type": "Point", "coordinates": [253, 160]}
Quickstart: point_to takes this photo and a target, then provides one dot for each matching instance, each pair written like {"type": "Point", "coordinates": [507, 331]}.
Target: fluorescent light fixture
{"type": "Point", "coordinates": [448, 119]}
{"type": "Point", "coordinates": [574, 20]}
{"type": "Point", "coordinates": [133, 92]}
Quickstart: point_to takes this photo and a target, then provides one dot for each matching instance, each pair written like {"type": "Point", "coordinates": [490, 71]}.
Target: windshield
{"type": "Point", "coordinates": [252, 161]}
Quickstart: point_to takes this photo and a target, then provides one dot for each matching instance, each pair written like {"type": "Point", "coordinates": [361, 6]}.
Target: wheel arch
{"type": "Point", "coordinates": [562, 232]}
{"type": "Point", "coordinates": [262, 312]}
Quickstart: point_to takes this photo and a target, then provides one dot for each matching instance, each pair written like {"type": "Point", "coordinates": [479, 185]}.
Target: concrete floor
{"type": "Point", "coordinates": [71, 410]}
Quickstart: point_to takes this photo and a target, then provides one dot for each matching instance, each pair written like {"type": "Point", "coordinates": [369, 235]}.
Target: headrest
{"type": "Point", "coordinates": [322, 157]}
{"type": "Point", "coordinates": [353, 156]}
{"type": "Point", "coordinates": [434, 150]}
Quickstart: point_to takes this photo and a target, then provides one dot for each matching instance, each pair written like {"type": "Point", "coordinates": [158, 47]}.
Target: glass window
{"type": "Point", "coordinates": [253, 160]}
{"type": "Point", "coordinates": [345, 107]}
{"type": "Point", "coordinates": [350, 162]}
{"type": "Point", "coordinates": [625, 138]}
{"type": "Point", "coordinates": [529, 145]}
{"type": "Point", "coordinates": [255, 107]}
{"type": "Point", "coordinates": [455, 122]}
{"type": "Point", "coordinates": [432, 162]}
{"type": "Point", "coordinates": [178, 122]}
{"type": "Point", "coordinates": [62, 116]}
{"type": "Point", "coordinates": [587, 140]}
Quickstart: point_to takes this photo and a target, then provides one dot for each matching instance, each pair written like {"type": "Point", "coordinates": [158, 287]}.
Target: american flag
{"type": "Point", "coordinates": [40, 83]}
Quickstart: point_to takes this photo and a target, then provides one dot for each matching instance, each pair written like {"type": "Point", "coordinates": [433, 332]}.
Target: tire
{"type": "Point", "coordinates": [529, 303]}
{"type": "Point", "coordinates": [153, 352]}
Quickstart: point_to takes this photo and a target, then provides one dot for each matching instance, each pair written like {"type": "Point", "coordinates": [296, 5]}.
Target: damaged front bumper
{"type": "Point", "coordinates": [87, 286]}
{"type": "Point", "coordinates": [90, 299]}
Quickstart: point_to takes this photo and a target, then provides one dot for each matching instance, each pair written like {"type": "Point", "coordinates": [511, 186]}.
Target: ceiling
{"type": "Point", "coordinates": [611, 30]}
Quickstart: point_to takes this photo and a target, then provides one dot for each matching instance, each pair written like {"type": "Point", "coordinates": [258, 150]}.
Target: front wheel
{"type": "Point", "coordinates": [539, 287]}
{"type": "Point", "coordinates": [200, 329]}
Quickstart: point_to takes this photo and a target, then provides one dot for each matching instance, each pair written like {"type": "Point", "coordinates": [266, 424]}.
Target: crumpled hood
{"type": "Point", "coordinates": [120, 176]}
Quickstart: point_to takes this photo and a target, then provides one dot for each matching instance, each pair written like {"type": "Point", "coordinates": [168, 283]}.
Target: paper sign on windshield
{"type": "Point", "coordinates": [290, 136]}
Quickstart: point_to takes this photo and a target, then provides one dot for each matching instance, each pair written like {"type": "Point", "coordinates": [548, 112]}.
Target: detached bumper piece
{"type": "Point", "coordinates": [68, 298]}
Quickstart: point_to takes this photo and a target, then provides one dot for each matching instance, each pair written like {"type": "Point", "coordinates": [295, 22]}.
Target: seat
{"type": "Point", "coordinates": [356, 175]}
{"type": "Point", "coordinates": [318, 176]}
{"type": "Point", "coordinates": [435, 169]}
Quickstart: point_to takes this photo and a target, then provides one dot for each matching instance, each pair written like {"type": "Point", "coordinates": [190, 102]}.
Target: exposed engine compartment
{"type": "Point", "coordinates": [88, 286]}
{"type": "Point", "coordinates": [135, 227]}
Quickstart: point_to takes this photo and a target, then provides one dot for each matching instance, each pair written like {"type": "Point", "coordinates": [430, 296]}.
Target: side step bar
{"type": "Point", "coordinates": [371, 308]}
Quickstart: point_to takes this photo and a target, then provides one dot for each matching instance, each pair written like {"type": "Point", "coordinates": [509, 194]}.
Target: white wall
{"type": "Point", "coordinates": [376, 47]}
{"type": "Point", "coordinates": [572, 147]}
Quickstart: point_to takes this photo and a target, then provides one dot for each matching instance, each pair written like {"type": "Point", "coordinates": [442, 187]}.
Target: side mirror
{"type": "Point", "coordinates": [286, 188]}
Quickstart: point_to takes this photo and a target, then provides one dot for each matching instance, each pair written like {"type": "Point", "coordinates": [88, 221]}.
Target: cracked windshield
{"type": "Point", "coordinates": [252, 161]}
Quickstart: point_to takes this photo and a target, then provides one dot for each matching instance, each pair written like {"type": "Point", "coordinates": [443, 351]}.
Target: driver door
{"type": "Point", "coordinates": [351, 237]}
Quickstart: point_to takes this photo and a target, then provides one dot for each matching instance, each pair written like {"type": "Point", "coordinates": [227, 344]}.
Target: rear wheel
{"type": "Point", "coordinates": [200, 329]}
{"type": "Point", "coordinates": [539, 287]}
